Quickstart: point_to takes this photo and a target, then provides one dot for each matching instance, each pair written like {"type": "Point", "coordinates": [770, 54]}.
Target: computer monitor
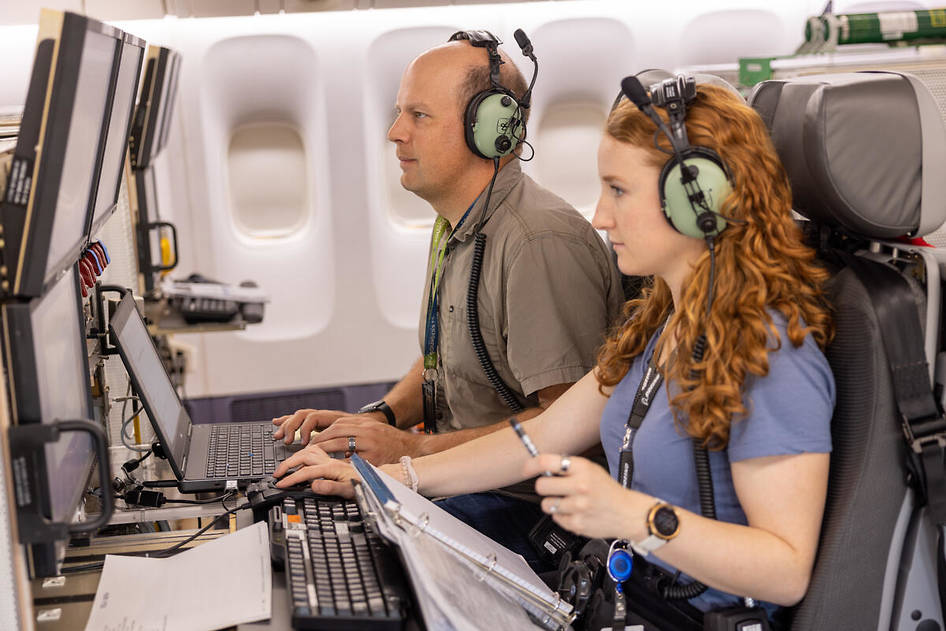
{"type": "Point", "coordinates": [119, 128]}
{"type": "Point", "coordinates": [44, 347]}
{"type": "Point", "coordinates": [155, 106]}
{"type": "Point", "coordinates": [59, 152]}
{"type": "Point", "coordinates": [149, 135]}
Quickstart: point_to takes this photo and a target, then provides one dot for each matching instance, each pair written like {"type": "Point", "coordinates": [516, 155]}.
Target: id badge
{"type": "Point", "coordinates": [429, 392]}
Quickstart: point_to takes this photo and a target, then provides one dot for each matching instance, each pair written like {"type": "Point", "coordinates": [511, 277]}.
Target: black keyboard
{"type": "Point", "coordinates": [243, 450]}
{"type": "Point", "coordinates": [340, 574]}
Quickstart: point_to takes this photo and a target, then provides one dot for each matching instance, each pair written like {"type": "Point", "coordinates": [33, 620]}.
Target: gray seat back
{"type": "Point", "coordinates": [861, 151]}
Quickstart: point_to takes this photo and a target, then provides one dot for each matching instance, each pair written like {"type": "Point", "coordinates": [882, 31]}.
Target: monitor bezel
{"type": "Point", "coordinates": [152, 118]}
{"type": "Point", "coordinates": [66, 33]}
{"type": "Point", "coordinates": [23, 380]}
{"type": "Point", "coordinates": [119, 320]}
{"type": "Point", "coordinates": [94, 223]}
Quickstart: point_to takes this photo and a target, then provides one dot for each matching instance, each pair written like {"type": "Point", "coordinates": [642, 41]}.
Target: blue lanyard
{"type": "Point", "coordinates": [438, 249]}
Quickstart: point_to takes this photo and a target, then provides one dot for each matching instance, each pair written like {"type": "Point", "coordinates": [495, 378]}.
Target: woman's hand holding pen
{"type": "Point", "coordinates": [583, 498]}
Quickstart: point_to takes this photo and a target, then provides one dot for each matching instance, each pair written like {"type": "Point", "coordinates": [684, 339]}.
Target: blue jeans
{"type": "Point", "coordinates": [505, 520]}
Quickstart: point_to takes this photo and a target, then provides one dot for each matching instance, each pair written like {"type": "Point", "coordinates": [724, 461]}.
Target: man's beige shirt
{"type": "Point", "coordinates": [548, 291]}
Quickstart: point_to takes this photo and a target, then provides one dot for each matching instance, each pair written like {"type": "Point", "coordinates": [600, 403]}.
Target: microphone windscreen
{"type": "Point", "coordinates": [632, 88]}
{"type": "Point", "coordinates": [522, 39]}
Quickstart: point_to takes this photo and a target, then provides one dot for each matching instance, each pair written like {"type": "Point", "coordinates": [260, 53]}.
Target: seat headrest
{"type": "Point", "coordinates": [864, 151]}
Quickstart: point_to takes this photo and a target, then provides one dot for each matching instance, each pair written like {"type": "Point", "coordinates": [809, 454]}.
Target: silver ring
{"type": "Point", "coordinates": [554, 507]}
{"type": "Point", "coordinates": [565, 464]}
{"type": "Point", "coordinates": [351, 444]}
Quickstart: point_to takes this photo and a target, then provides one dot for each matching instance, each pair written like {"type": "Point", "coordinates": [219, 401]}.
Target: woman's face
{"type": "Point", "coordinates": [629, 211]}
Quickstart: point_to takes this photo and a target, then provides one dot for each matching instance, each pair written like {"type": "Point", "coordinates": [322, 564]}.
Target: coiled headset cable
{"type": "Point", "coordinates": [704, 475]}
{"type": "Point", "coordinates": [473, 315]}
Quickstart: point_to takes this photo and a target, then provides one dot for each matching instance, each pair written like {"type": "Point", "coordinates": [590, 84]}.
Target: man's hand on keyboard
{"type": "Point", "coordinates": [305, 421]}
{"type": "Point", "coordinates": [328, 476]}
{"type": "Point", "coordinates": [378, 443]}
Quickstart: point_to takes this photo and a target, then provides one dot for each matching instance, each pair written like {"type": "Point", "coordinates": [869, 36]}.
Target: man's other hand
{"type": "Point", "coordinates": [377, 442]}
{"type": "Point", "coordinates": [305, 421]}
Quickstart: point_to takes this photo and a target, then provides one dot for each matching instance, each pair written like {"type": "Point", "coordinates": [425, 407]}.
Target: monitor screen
{"type": "Point", "coordinates": [63, 376]}
{"type": "Point", "coordinates": [50, 377]}
{"type": "Point", "coordinates": [150, 378]}
{"type": "Point", "coordinates": [78, 166]}
{"type": "Point", "coordinates": [168, 100]}
{"type": "Point", "coordinates": [58, 158]}
{"type": "Point", "coordinates": [119, 124]}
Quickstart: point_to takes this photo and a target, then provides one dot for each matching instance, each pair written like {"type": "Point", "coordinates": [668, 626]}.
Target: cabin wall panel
{"type": "Point", "coordinates": [346, 284]}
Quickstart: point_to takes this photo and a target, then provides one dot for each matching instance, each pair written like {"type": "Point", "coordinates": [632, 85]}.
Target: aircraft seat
{"type": "Point", "coordinates": [865, 154]}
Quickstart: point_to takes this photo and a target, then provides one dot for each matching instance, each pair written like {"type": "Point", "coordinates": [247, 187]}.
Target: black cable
{"type": "Point", "coordinates": [710, 291]}
{"type": "Point", "coordinates": [209, 500]}
{"type": "Point", "coordinates": [163, 554]}
{"type": "Point", "coordinates": [528, 144]}
{"type": "Point", "coordinates": [473, 315]}
{"type": "Point", "coordinates": [704, 474]}
{"type": "Point", "coordinates": [158, 484]}
{"type": "Point", "coordinates": [160, 554]}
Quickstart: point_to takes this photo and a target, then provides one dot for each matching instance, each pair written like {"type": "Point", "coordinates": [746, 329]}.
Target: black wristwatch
{"type": "Point", "coordinates": [662, 526]}
{"type": "Point", "coordinates": [384, 408]}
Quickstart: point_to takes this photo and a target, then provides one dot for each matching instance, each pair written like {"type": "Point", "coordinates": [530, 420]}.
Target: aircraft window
{"type": "Point", "coordinates": [752, 33]}
{"type": "Point", "coordinates": [566, 151]}
{"type": "Point", "coordinates": [269, 190]}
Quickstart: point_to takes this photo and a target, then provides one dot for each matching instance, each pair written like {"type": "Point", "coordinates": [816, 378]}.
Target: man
{"type": "Point", "coordinates": [547, 292]}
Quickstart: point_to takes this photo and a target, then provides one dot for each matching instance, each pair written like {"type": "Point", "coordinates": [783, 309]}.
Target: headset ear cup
{"type": "Point", "coordinates": [712, 178]}
{"type": "Point", "coordinates": [492, 124]}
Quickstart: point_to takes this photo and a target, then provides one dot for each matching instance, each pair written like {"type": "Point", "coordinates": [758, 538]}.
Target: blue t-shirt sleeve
{"type": "Point", "coordinates": [789, 410]}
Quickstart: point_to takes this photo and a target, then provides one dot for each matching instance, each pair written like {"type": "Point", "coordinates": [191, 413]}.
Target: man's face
{"type": "Point", "coordinates": [428, 129]}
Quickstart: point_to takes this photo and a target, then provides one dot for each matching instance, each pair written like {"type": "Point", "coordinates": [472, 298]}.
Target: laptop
{"type": "Point", "coordinates": [205, 456]}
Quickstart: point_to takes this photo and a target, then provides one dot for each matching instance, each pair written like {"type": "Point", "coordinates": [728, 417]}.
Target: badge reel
{"type": "Point", "coordinates": [620, 563]}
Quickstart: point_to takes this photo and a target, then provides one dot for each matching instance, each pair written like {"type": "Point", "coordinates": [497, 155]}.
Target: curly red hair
{"type": "Point", "coordinates": [761, 265]}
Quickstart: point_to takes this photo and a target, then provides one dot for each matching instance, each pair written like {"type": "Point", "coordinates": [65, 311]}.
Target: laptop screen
{"type": "Point", "coordinates": [168, 416]}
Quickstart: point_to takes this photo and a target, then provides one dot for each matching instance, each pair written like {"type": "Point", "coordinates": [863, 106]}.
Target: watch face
{"type": "Point", "coordinates": [666, 523]}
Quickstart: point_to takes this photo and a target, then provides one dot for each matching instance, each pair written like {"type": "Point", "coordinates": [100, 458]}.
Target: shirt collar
{"type": "Point", "coordinates": [506, 179]}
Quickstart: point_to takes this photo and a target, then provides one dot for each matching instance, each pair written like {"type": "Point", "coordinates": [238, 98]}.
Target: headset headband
{"type": "Point", "coordinates": [484, 39]}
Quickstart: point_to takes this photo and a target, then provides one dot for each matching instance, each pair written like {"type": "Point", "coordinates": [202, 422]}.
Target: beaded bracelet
{"type": "Point", "coordinates": [409, 474]}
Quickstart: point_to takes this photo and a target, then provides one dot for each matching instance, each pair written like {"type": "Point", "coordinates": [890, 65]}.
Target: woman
{"type": "Point", "coordinates": [760, 400]}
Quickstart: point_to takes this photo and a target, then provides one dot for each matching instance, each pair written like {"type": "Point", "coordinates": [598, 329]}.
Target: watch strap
{"type": "Point", "coordinates": [384, 408]}
{"type": "Point", "coordinates": [647, 545]}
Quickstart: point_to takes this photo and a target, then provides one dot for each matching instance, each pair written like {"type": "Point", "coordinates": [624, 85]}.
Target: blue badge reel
{"type": "Point", "coordinates": [620, 563]}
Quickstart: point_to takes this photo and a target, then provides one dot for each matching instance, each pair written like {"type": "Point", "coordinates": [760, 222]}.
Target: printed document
{"type": "Point", "coordinates": [221, 583]}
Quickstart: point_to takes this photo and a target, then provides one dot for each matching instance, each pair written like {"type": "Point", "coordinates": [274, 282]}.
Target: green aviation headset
{"type": "Point", "coordinates": [493, 121]}
{"type": "Point", "coordinates": [694, 182]}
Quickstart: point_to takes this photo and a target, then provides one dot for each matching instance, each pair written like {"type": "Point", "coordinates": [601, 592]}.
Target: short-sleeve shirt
{"type": "Point", "coordinates": [548, 291]}
{"type": "Point", "coordinates": [789, 412]}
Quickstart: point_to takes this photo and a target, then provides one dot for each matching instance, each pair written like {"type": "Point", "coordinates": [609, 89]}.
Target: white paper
{"type": "Point", "coordinates": [456, 587]}
{"type": "Point", "coordinates": [467, 539]}
{"type": "Point", "coordinates": [221, 583]}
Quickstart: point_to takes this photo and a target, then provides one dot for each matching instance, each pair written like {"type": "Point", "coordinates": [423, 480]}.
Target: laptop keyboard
{"type": "Point", "coordinates": [340, 574]}
{"type": "Point", "coordinates": [239, 450]}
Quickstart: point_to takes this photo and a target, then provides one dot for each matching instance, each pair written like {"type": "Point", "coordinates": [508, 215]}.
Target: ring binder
{"type": "Point", "coordinates": [493, 566]}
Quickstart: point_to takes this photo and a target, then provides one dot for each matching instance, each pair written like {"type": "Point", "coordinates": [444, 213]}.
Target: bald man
{"type": "Point", "coordinates": [548, 290]}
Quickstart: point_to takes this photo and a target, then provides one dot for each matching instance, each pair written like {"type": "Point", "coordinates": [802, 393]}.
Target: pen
{"type": "Point", "coordinates": [530, 446]}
